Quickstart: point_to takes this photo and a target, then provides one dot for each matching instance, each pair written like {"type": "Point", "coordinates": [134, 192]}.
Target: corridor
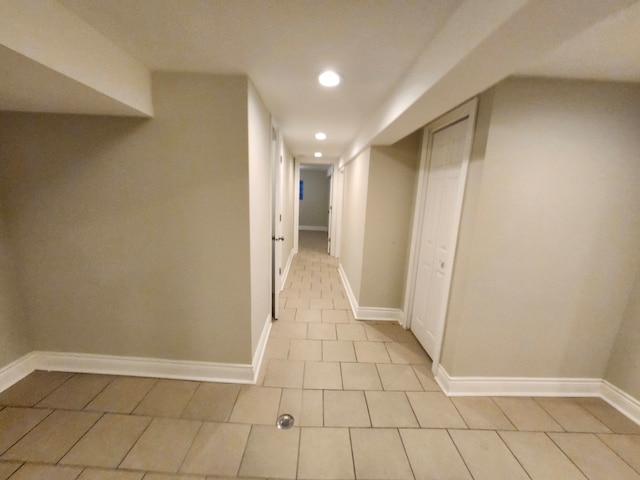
{"type": "Point", "coordinates": [362, 394]}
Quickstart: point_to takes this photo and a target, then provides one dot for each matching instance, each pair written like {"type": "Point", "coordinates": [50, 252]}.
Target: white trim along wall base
{"type": "Point", "coordinates": [287, 268]}
{"type": "Point", "coordinates": [136, 366]}
{"type": "Point", "coordinates": [369, 313]}
{"type": "Point", "coordinates": [539, 387]}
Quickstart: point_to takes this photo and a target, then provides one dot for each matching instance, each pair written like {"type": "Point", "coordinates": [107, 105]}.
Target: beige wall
{"type": "Point", "coordinates": [14, 337]}
{"type": "Point", "coordinates": [259, 122]}
{"type": "Point", "coordinates": [314, 206]}
{"type": "Point", "coordinates": [623, 370]}
{"type": "Point", "coordinates": [392, 173]}
{"type": "Point", "coordinates": [354, 205]}
{"type": "Point", "coordinates": [132, 235]}
{"type": "Point", "coordinates": [550, 235]}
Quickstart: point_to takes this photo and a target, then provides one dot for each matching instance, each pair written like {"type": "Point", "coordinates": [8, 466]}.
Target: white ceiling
{"type": "Point", "coordinates": [282, 45]}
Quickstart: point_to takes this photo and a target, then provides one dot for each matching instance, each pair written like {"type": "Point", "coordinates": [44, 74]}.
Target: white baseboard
{"type": "Point", "coordinates": [368, 313]}
{"type": "Point", "coordinates": [313, 228]}
{"type": "Point", "coordinates": [258, 355]}
{"type": "Point", "coordinates": [517, 386]}
{"type": "Point", "coordinates": [133, 366]}
{"type": "Point", "coordinates": [287, 268]}
{"type": "Point", "coordinates": [621, 400]}
{"type": "Point", "coordinates": [16, 371]}
{"type": "Point", "coordinates": [539, 387]}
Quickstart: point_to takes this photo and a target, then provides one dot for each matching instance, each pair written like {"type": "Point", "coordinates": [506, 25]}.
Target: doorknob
{"type": "Point", "coordinates": [277, 239]}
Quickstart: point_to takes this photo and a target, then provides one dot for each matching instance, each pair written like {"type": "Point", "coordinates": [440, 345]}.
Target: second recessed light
{"type": "Point", "coordinates": [329, 78]}
{"type": "Point", "coordinates": [317, 154]}
{"type": "Point", "coordinates": [321, 136]}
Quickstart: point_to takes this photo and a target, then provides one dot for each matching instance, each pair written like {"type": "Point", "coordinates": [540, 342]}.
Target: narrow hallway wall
{"type": "Point", "coordinates": [132, 236]}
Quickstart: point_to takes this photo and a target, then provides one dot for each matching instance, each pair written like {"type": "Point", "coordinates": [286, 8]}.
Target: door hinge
{"type": "Point", "coordinates": [280, 217]}
{"type": "Point", "coordinates": [279, 271]}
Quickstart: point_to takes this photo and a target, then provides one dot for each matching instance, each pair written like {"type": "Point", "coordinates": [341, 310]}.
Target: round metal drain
{"type": "Point", "coordinates": [285, 421]}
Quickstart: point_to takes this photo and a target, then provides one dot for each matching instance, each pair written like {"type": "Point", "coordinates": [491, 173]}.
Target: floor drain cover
{"type": "Point", "coordinates": [285, 421]}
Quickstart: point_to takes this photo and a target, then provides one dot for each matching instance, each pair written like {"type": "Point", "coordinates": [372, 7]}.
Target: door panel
{"type": "Point", "coordinates": [438, 234]}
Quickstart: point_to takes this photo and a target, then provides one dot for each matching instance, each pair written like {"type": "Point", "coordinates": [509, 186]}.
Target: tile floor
{"type": "Point", "coordinates": [365, 403]}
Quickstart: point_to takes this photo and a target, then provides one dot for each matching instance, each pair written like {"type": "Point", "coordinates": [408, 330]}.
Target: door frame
{"type": "Point", "coordinates": [335, 201]}
{"type": "Point", "coordinates": [467, 110]}
{"type": "Point", "coordinates": [276, 159]}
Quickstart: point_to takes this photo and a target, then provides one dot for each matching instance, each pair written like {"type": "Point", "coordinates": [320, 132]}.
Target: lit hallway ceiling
{"type": "Point", "coordinates": [403, 62]}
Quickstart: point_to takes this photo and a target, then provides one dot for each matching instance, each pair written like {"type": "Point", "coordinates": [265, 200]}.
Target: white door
{"type": "Point", "coordinates": [448, 147]}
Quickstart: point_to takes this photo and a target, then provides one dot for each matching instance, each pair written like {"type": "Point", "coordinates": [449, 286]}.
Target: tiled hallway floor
{"type": "Point", "coordinates": [365, 403]}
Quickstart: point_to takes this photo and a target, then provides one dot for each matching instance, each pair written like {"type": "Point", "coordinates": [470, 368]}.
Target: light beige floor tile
{"type": "Point", "coordinates": [300, 303]}
{"type": "Point", "coordinates": [309, 316]}
{"type": "Point", "coordinates": [53, 437]}
{"type": "Point", "coordinates": [108, 441]}
{"type": "Point", "coordinates": [433, 456]}
{"type": "Point", "coordinates": [380, 333]}
{"type": "Point", "coordinates": [7, 468]}
{"type": "Point", "coordinates": [317, 285]}
{"type": "Point", "coordinates": [321, 303]}
{"type": "Point", "coordinates": [334, 295]}
{"type": "Point", "coordinates": [76, 392]}
{"type": "Point", "coordinates": [338, 351]}
{"type": "Point", "coordinates": [379, 454]}
{"type": "Point", "coordinates": [360, 376]}
{"type": "Point", "coordinates": [341, 304]}
{"type": "Point", "coordinates": [527, 415]}
{"type": "Point", "coordinates": [435, 410]}
{"type": "Point", "coordinates": [540, 457]}
{"type": "Point", "coordinates": [288, 330]}
{"type": "Point", "coordinates": [423, 372]}
{"type": "Point", "coordinates": [481, 413]}
{"type": "Point", "coordinates": [163, 445]}
{"type": "Point", "coordinates": [322, 375]}
{"type": "Point", "coordinates": [286, 314]}
{"type": "Point", "coordinates": [167, 398]}
{"type": "Point", "coordinates": [571, 416]}
{"type": "Point", "coordinates": [351, 332]}
{"type": "Point", "coordinates": [122, 395]}
{"type": "Point", "coordinates": [407, 353]}
{"type": "Point", "coordinates": [390, 409]}
{"type": "Point", "coordinates": [16, 422]}
{"type": "Point", "coordinates": [626, 446]}
{"type": "Point", "coordinates": [593, 457]}
{"type": "Point", "coordinates": [291, 403]}
{"type": "Point", "coordinates": [175, 476]}
{"type": "Point", "coordinates": [334, 316]}
{"type": "Point", "coordinates": [322, 331]}
{"type": "Point", "coordinates": [212, 401]}
{"type": "Point", "coordinates": [256, 405]}
{"type": "Point", "coordinates": [369, 352]}
{"type": "Point", "coordinates": [217, 449]}
{"type": "Point", "coordinates": [284, 373]}
{"type": "Point", "coordinates": [345, 409]}
{"type": "Point", "coordinates": [325, 453]}
{"type": "Point", "coordinates": [271, 453]}
{"type": "Point", "coordinates": [46, 472]}
{"type": "Point", "coordinates": [312, 413]}
{"type": "Point", "coordinates": [33, 388]}
{"type": "Point", "coordinates": [304, 405]}
{"type": "Point", "coordinates": [608, 415]}
{"type": "Point", "coordinates": [399, 377]}
{"type": "Point", "coordinates": [311, 294]}
{"type": "Point", "coordinates": [277, 348]}
{"type": "Point", "coordinates": [96, 474]}
{"type": "Point", "coordinates": [310, 350]}
{"type": "Point", "coordinates": [486, 455]}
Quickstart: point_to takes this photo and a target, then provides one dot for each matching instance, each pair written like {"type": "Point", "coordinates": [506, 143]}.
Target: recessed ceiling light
{"type": "Point", "coordinates": [329, 78]}
{"type": "Point", "coordinates": [317, 154]}
{"type": "Point", "coordinates": [321, 136]}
